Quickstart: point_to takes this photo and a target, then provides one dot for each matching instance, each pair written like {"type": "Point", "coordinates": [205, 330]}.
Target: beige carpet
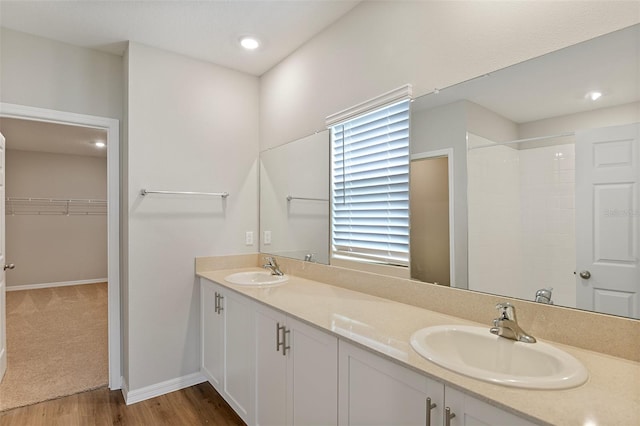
{"type": "Point", "coordinates": [57, 343]}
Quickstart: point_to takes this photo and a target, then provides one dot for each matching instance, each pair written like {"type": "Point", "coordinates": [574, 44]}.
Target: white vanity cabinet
{"type": "Point", "coordinates": [376, 391]}
{"type": "Point", "coordinates": [275, 370]}
{"type": "Point", "coordinates": [227, 336]}
{"type": "Point", "coordinates": [296, 372]}
{"type": "Point", "coordinates": [470, 411]}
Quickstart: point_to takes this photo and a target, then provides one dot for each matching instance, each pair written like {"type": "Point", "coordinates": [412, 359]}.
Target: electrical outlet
{"type": "Point", "coordinates": [248, 238]}
{"type": "Point", "coordinates": [267, 237]}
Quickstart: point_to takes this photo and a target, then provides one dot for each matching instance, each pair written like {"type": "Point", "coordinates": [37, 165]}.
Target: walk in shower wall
{"type": "Point", "coordinates": [522, 219]}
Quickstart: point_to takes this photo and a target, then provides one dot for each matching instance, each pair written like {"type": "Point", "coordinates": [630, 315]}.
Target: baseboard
{"type": "Point", "coordinates": [124, 389]}
{"type": "Point", "coordinates": [58, 284]}
{"type": "Point", "coordinates": [3, 360]}
{"type": "Point", "coordinates": [148, 392]}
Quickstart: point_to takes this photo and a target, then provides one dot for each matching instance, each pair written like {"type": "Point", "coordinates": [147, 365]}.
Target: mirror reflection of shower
{"type": "Point", "coordinates": [522, 217]}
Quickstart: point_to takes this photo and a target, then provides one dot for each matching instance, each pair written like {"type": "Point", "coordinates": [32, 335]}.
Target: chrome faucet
{"type": "Point", "coordinates": [506, 325]}
{"type": "Point", "coordinates": [544, 296]}
{"type": "Point", "coordinates": [273, 265]}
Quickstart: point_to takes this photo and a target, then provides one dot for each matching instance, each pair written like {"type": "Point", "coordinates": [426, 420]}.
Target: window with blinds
{"type": "Point", "coordinates": [370, 186]}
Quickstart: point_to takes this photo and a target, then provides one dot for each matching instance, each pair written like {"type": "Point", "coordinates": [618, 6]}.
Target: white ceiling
{"type": "Point", "coordinates": [555, 84]}
{"type": "Point", "coordinates": [206, 30]}
{"type": "Point", "coordinates": [28, 135]}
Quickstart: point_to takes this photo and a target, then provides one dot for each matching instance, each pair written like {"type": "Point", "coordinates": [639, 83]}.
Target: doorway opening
{"type": "Point", "coordinates": [431, 218]}
{"type": "Point", "coordinates": [110, 128]}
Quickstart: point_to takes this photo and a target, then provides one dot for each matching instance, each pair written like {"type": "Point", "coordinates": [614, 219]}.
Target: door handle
{"type": "Point", "coordinates": [9, 266]}
{"type": "Point", "coordinates": [585, 275]}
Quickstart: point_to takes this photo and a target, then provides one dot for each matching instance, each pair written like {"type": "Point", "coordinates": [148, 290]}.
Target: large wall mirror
{"type": "Point", "coordinates": [294, 199]}
{"type": "Point", "coordinates": [525, 182]}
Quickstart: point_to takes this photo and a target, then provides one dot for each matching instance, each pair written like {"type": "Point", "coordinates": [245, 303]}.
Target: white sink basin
{"type": "Point", "coordinates": [256, 278]}
{"type": "Point", "coordinates": [475, 352]}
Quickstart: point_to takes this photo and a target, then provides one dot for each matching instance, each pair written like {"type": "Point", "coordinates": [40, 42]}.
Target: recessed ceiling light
{"type": "Point", "coordinates": [249, 43]}
{"type": "Point", "coordinates": [100, 144]}
{"type": "Point", "coordinates": [594, 96]}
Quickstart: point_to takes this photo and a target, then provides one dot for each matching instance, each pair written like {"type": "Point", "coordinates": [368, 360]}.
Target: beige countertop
{"type": "Point", "coordinates": [611, 396]}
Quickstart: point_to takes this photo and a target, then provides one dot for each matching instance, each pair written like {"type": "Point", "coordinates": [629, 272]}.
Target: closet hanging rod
{"type": "Point", "coordinates": [144, 192]}
{"type": "Point", "coordinates": [55, 200]}
{"type": "Point", "coordinates": [291, 197]}
{"type": "Point", "coordinates": [54, 206]}
{"type": "Point", "coordinates": [538, 138]}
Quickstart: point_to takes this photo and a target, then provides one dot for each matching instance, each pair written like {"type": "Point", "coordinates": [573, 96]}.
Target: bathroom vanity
{"type": "Point", "coordinates": [305, 352]}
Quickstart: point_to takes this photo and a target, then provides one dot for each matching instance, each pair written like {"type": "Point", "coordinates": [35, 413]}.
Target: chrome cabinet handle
{"type": "Point", "coordinates": [282, 343]}
{"type": "Point", "coordinates": [218, 305]}
{"type": "Point", "coordinates": [585, 275]}
{"type": "Point", "coordinates": [278, 342]}
{"type": "Point", "coordinates": [285, 346]}
{"type": "Point", "coordinates": [9, 266]}
{"type": "Point", "coordinates": [430, 406]}
{"type": "Point", "coordinates": [448, 415]}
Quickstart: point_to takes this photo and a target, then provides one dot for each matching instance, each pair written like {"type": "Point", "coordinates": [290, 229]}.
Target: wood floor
{"type": "Point", "coordinates": [196, 405]}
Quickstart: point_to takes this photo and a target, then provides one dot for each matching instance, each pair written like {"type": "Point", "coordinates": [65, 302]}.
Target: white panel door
{"type": "Point", "coordinates": [239, 351]}
{"type": "Point", "coordinates": [271, 368]}
{"type": "Point", "coordinates": [3, 312]}
{"type": "Point", "coordinates": [212, 334]}
{"type": "Point", "coordinates": [312, 376]}
{"type": "Point", "coordinates": [607, 216]}
{"type": "Point", "coordinates": [468, 411]}
{"type": "Point", "coordinates": [374, 391]}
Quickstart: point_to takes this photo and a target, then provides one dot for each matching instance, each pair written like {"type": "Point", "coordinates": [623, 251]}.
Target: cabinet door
{"type": "Point", "coordinates": [271, 368]}
{"type": "Point", "coordinates": [239, 379]}
{"type": "Point", "coordinates": [470, 411]}
{"type": "Point", "coordinates": [312, 376]}
{"type": "Point", "coordinates": [375, 391]}
{"type": "Point", "coordinates": [212, 337]}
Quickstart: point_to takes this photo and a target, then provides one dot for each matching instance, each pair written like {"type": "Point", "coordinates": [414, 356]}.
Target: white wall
{"type": "Point", "coordinates": [39, 72]}
{"type": "Point", "coordinates": [192, 126]}
{"type": "Point", "coordinates": [52, 249]}
{"type": "Point", "coordinates": [379, 46]}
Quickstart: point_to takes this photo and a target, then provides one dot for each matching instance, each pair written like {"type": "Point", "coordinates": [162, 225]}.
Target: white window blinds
{"type": "Point", "coordinates": [370, 185]}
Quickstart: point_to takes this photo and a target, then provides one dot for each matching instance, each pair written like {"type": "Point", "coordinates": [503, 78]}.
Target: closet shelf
{"type": "Point", "coordinates": [55, 206]}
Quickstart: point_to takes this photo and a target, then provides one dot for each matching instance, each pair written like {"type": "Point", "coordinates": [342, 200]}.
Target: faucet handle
{"type": "Point", "coordinates": [506, 311]}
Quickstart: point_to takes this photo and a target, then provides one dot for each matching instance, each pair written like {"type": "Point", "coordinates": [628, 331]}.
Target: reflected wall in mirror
{"type": "Point", "coordinates": [551, 172]}
{"type": "Point", "coordinates": [294, 199]}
